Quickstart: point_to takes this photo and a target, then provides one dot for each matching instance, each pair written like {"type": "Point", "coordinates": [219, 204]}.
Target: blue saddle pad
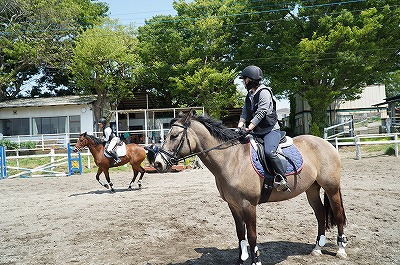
{"type": "Point", "coordinates": [293, 166]}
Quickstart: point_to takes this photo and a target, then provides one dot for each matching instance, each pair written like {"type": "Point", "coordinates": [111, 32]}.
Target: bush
{"type": "Point", "coordinates": [15, 146]}
{"type": "Point", "coordinates": [28, 145]}
{"type": "Point", "coordinates": [9, 144]}
{"type": "Point", "coordinates": [390, 151]}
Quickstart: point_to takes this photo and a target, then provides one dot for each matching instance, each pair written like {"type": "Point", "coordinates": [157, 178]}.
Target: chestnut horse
{"type": "Point", "coordinates": [135, 154]}
{"type": "Point", "coordinates": [240, 186]}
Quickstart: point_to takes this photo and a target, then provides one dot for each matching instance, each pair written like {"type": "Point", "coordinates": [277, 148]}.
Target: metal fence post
{"type": "Point", "coordinates": [358, 147]}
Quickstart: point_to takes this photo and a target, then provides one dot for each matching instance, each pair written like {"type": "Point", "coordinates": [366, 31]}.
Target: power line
{"type": "Point", "coordinates": [219, 16]}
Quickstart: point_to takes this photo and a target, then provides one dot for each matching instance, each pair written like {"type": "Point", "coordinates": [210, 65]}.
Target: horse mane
{"type": "Point", "coordinates": [216, 128]}
{"type": "Point", "coordinates": [96, 140]}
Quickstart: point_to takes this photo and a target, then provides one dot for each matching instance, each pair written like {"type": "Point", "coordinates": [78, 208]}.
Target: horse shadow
{"type": "Point", "coordinates": [271, 253]}
{"type": "Point", "coordinates": [105, 191]}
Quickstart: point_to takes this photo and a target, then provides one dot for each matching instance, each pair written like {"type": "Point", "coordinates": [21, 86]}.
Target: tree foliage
{"type": "Point", "coordinates": [104, 64]}
{"type": "Point", "coordinates": [321, 50]}
{"type": "Point", "coordinates": [36, 38]}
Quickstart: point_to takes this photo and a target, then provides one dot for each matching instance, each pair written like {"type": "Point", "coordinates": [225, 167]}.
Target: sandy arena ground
{"type": "Point", "coordinates": [179, 219]}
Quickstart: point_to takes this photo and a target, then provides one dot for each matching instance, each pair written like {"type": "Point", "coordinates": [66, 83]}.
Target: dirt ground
{"type": "Point", "coordinates": [179, 219]}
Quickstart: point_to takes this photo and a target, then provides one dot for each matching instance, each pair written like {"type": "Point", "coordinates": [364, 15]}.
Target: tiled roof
{"type": "Point", "coordinates": [51, 101]}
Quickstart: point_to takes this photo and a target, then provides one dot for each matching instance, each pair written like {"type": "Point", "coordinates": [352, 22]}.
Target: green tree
{"type": "Point", "coordinates": [323, 51]}
{"type": "Point", "coordinates": [104, 64]}
{"type": "Point", "coordinates": [36, 38]}
{"type": "Point", "coordinates": [185, 56]}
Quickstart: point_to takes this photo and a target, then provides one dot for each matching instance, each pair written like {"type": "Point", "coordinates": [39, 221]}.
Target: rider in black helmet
{"type": "Point", "coordinates": [259, 116]}
{"type": "Point", "coordinates": [110, 139]}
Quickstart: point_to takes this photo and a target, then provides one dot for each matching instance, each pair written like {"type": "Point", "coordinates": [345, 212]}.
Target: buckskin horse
{"type": "Point", "coordinates": [135, 154]}
{"type": "Point", "coordinates": [240, 186]}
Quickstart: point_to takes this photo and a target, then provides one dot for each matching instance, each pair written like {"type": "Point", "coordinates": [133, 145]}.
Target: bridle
{"type": "Point", "coordinates": [172, 158]}
{"type": "Point", "coordinates": [81, 144]}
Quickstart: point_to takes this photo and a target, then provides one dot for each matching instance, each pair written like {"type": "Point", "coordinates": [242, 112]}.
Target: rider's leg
{"type": "Point", "coordinates": [112, 152]}
{"type": "Point", "coordinates": [271, 142]}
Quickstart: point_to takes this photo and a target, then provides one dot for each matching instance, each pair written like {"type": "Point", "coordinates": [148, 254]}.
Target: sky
{"type": "Point", "coordinates": [128, 11]}
{"type": "Point", "coordinates": [135, 11]}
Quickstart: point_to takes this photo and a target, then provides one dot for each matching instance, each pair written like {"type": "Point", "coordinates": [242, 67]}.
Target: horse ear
{"type": "Point", "coordinates": [188, 116]}
{"type": "Point", "coordinates": [84, 134]}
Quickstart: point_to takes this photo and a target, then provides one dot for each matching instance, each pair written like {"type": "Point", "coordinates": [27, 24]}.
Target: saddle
{"type": "Point", "coordinates": [288, 153]}
{"type": "Point", "coordinates": [120, 149]}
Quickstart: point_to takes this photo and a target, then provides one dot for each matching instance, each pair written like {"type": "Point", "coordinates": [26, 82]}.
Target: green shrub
{"type": "Point", "coordinates": [390, 151]}
{"type": "Point", "coordinates": [9, 144]}
{"type": "Point", "coordinates": [28, 145]}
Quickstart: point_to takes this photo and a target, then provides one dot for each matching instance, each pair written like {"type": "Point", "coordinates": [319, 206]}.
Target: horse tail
{"type": "Point", "coordinates": [151, 156]}
{"type": "Point", "coordinates": [329, 216]}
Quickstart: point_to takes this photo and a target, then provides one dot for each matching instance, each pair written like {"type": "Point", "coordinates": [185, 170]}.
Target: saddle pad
{"type": "Point", "coordinates": [121, 151]}
{"type": "Point", "coordinates": [291, 152]}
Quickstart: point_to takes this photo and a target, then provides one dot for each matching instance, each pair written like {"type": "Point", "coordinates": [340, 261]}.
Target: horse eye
{"type": "Point", "coordinates": [173, 136]}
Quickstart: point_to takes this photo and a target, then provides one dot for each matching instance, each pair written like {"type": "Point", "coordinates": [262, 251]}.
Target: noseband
{"type": "Point", "coordinates": [172, 159]}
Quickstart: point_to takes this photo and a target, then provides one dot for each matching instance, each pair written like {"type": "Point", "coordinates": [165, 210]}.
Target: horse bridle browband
{"type": "Point", "coordinates": [172, 159]}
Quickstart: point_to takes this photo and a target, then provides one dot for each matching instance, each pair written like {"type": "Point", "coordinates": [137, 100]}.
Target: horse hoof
{"type": "Point", "coordinates": [106, 186]}
{"type": "Point", "coordinates": [112, 191]}
{"type": "Point", "coordinates": [316, 252]}
{"type": "Point", "coordinates": [130, 188]}
{"type": "Point", "coordinates": [341, 254]}
{"type": "Point", "coordinates": [239, 262]}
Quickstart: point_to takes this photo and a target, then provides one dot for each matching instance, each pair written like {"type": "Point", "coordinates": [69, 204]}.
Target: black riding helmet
{"type": "Point", "coordinates": [252, 72]}
{"type": "Point", "coordinates": [102, 121]}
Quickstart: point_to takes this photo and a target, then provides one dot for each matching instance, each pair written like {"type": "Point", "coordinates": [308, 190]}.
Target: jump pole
{"type": "Point", "coordinates": [3, 162]}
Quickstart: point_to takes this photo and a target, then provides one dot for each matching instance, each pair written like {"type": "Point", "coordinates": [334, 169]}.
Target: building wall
{"type": "Point", "coordinates": [341, 111]}
{"type": "Point", "coordinates": [84, 111]}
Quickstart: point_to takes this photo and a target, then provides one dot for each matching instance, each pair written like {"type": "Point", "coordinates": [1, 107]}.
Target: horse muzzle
{"type": "Point", "coordinates": [163, 161]}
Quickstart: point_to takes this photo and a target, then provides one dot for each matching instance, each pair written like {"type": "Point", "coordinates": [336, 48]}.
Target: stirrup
{"type": "Point", "coordinates": [282, 185]}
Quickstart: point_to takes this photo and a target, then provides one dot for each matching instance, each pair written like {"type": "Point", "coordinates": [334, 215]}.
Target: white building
{"type": "Point", "coordinates": [341, 111]}
{"type": "Point", "coordinates": [39, 116]}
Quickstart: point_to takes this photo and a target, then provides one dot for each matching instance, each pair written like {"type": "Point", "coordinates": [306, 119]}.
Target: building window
{"type": "Point", "coordinates": [49, 125]}
{"type": "Point", "coordinates": [75, 124]}
{"type": "Point", "coordinates": [11, 127]}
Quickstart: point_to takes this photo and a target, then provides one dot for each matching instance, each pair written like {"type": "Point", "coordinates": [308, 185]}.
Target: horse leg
{"type": "Point", "coordinates": [250, 217]}
{"type": "Point", "coordinates": [99, 171]}
{"type": "Point", "coordinates": [336, 204]}
{"type": "Point", "coordinates": [110, 184]}
{"type": "Point", "coordinates": [142, 171]}
{"type": "Point", "coordinates": [241, 235]}
{"type": "Point", "coordinates": [135, 173]}
{"type": "Point", "coordinates": [314, 200]}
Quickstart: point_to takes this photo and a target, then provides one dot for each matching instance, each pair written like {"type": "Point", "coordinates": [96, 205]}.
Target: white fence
{"type": "Point", "coordinates": [368, 139]}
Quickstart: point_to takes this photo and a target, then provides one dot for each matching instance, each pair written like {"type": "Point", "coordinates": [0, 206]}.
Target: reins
{"type": "Point", "coordinates": [173, 159]}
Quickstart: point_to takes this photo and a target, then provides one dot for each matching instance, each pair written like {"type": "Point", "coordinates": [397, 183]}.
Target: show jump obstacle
{"type": "Point", "coordinates": [3, 167]}
{"type": "Point", "coordinates": [74, 166]}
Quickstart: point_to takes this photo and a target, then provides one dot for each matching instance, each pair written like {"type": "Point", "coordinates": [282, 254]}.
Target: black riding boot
{"type": "Point", "coordinates": [115, 156]}
{"type": "Point", "coordinates": [280, 182]}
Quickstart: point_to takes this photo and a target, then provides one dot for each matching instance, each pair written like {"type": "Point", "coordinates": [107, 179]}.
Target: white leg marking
{"type": "Point", "coordinates": [243, 247]}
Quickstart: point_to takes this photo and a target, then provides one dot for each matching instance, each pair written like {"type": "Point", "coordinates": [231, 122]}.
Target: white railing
{"type": "Point", "coordinates": [347, 129]}
{"type": "Point", "coordinates": [367, 139]}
